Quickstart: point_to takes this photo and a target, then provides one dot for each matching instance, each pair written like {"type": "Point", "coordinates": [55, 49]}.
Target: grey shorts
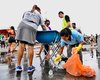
{"type": "Point", "coordinates": [26, 33]}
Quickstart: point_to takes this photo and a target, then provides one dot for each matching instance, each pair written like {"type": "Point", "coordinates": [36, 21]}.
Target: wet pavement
{"type": "Point", "coordinates": [43, 72]}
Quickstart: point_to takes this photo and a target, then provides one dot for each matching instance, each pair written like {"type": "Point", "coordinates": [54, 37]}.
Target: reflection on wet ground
{"type": "Point", "coordinates": [60, 75]}
{"type": "Point", "coordinates": [42, 73]}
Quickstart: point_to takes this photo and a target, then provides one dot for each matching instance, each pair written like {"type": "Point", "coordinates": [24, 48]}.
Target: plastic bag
{"type": "Point", "coordinates": [74, 66]}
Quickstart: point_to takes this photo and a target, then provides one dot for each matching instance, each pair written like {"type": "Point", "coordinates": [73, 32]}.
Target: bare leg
{"type": "Point", "coordinates": [41, 48]}
{"type": "Point", "coordinates": [13, 47]}
{"type": "Point", "coordinates": [30, 54]}
{"type": "Point", "coordinates": [9, 47]}
{"type": "Point", "coordinates": [9, 60]}
{"type": "Point", "coordinates": [20, 53]}
{"type": "Point", "coordinates": [48, 54]}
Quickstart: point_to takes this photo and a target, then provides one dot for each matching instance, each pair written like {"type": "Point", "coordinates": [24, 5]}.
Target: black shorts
{"type": "Point", "coordinates": [18, 41]}
{"type": "Point", "coordinates": [11, 40]}
{"type": "Point", "coordinates": [2, 42]}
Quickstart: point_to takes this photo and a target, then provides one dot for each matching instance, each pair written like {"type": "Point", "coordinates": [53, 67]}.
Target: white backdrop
{"type": "Point", "coordinates": [85, 13]}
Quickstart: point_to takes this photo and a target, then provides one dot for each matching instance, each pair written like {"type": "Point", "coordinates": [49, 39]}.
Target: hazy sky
{"type": "Point", "coordinates": [85, 13]}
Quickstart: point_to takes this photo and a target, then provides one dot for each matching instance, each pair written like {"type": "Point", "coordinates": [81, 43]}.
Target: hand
{"type": "Point", "coordinates": [79, 47]}
{"type": "Point", "coordinates": [57, 59]}
{"type": "Point", "coordinates": [74, 50]}
{"type": "Point", "coordinates": [47, 57]}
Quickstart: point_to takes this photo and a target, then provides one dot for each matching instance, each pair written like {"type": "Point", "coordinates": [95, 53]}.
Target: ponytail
{"type": "Point", "coordinates": [12, 27]}
{"type": "Point", "coordinates": [35, 7]}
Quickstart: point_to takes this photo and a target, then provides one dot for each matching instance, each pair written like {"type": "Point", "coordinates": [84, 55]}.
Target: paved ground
{"type": "Point", "coordinates": [41, 73]}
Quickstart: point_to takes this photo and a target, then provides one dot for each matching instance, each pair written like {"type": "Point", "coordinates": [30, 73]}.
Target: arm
{"type": "Point", "coordinates": [49, 50]}
{"type": "Point", "coordinates": [42, 23]}
{"type": "Point", "coordinates": [62, 44]}
{"type": "Point", "coordinates": [80, 46]}
{"type": "Point", "coordinates": [81, 41]}
{"type": "Point", "coordinates": [80, 31]}
{"type": "Point", "coordinates": [40, 50]}
{"type": "Point", "coordinates": [68, 25]}
{"type": "Point", "coordinates": [57, 59]}
{"type": "Point", "coordinates": [79, 38]}
{"type": "Point", "coordinates": [43, 27]}
{"type": "Point", "coordinates": [61, 50]}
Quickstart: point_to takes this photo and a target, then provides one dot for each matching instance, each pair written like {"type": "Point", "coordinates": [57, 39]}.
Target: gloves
{"type": "Point", "coordinates": [57, 59]}
{"type": "Point", "coordinates": [74, 50]}
{"type": "Point", "coordinates": [79, 47]}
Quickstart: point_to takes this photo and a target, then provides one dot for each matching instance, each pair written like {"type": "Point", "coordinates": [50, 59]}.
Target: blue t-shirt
{"type": "Point", "coordinates": [76, 38]}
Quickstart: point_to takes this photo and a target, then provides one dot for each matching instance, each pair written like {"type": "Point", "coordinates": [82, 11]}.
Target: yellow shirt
{"type": "Point", "coordinates": [65, 24]}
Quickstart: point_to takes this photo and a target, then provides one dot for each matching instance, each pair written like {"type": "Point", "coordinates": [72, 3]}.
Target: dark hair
{"type": "Point", "coordinates": [46, 21]}
{"type": "Point", "coordinates": [67, 18]}
{"type": "Point", "coordinates": [66, 32]}
{"type": "Point", "coordinates": [61, 12]}
{"type": "Point", "coordinates": [12, 27]}
{"type": "Point", "coordinates": [74, 23]}
{"type": "Point", "coordinates": [37, 8]}
{"type": "Point", "coordinates": [34, 6]}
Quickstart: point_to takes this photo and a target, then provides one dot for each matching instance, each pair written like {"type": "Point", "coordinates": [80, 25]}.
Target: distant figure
{"type": "Point", "coordinates": [66, 20]}
{"type": "Point", "coordinates": [3, 42]}
{"type": "Point", "coordinates": [96, 37]}
{"type": "Point", "coordinates": [92, 39]}
{"type": "Point", "coordinates": [74, 27]}
{"type": "Point", "coordinates": [11, 45]}
{"type": "Point", "coordinates": [47, 24]}
{"type": "Point", "coordinates": [11, 41]}
{"type": "Point", "coordinates": [1, 37]}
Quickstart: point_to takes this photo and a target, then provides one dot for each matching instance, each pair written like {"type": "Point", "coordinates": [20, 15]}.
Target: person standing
{"type": "Point", "coordinates": [26, 34]}
{"type": "Point", "coordinates": [0, 37]}
{"type": "Point", "coordinates": [96, 37]}
{"type": "Point", "coordinates": [66, 20]}
{"type": "Point", "coordinates": [11, 40]}
{"type": "Point", "coordinates": [3, 42]}
{"type": "Point", "coordinates": [74, 27]}
{"type": "Point", "coordinates": [11, 44]}
{"type": "Point", "coordinates": [46, 46]}
{"type": "Point", "coordinates": [92, 39]}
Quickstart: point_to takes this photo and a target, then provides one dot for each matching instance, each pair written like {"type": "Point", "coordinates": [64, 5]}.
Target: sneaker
{"type": "Point", "coordinates": [30, 69]}
{"type": "Point", "coordinates": [33, 68]}
{"type": "Point", "coordinates": [18, 68]}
